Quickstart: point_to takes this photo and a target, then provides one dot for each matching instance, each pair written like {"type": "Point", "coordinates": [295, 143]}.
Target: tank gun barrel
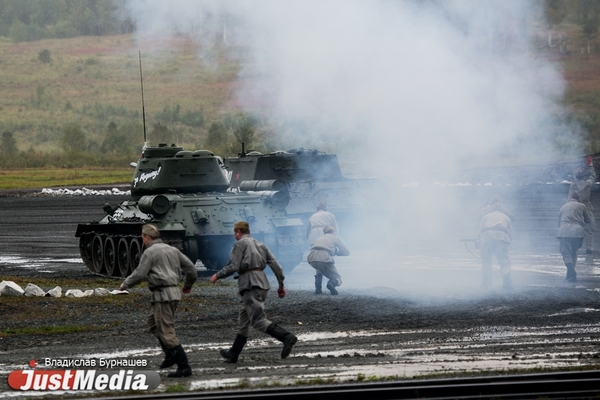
{"type": "Point", "coordinates": [272, 184]}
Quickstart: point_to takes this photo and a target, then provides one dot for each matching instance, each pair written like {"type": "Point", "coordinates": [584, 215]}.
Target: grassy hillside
{"type": "Point", "coordinates": [49, 177]}
{"type": "Point", "coordinates": [582, 73]}
{"type": "Point", "coordinates": [92, 81]}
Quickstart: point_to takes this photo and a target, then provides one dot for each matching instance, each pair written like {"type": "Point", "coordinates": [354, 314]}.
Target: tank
{"type": "Point", "coordinates": [308, 176]}
{"type": "Point", "coordinates": [185, 193]}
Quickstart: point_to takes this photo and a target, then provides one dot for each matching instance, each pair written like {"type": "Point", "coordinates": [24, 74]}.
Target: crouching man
{"type": "Point", "coordinates": [321, 259]}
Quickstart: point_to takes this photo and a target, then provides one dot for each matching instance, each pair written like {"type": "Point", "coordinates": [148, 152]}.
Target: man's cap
{"type": "Point", "coordinates": [241, 225]}
{"type": "Point", "coordinates": [151, 230]}
{"type": "Point", "coordinates": [495, 199]}
{"type": "Point", "coordinates": [328, 229]}
{"type": "Point", "coordinates": [322, 205]}
{"type": "Point", "coordinates": [575, 195]}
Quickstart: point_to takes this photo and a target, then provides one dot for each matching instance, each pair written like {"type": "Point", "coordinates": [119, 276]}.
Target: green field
{"type": "Point", "coordinates": [93, 81]}
{"type": "Point", "coordinates": [60, 177]}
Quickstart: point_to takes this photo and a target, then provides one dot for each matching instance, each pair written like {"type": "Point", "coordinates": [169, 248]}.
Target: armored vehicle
{"type": "Point", "coordinates": [185, 193]}
{"type": "Point", "coordinates": [308, 176]}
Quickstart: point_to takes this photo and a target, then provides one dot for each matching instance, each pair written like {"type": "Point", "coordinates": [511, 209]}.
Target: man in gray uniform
{"type": "Point", "coordinates": [571, 220]}
{"type": "Point", "coordinates": [495, 204]}
{"type": "Point", "coordinates": [318, 221]}
{"type": "Point", "coordinates": [495, 234]}
{"type": "Point", "coordinates": [321, 258]}
{"type": "Point", "coordinates": [161, 266]}
{"type": "Point", "coordinates": [584, 179]}
{"type": "Point", "coordinates": [249, 258]}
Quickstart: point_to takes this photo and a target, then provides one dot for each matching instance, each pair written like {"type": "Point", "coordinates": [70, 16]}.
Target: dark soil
{"type": "Point", "coordinates": [543, 323]}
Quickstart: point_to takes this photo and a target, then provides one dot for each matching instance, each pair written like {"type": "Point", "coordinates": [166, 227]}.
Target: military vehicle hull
{"type": "Point", "coordinates": [198, 221]}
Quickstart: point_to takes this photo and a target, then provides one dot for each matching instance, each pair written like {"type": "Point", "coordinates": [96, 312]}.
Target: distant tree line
{"type": "Point", "coordinates": [583, 13]}
{"type": "Point", "coordinates": [29, 20]}
{"type": "Point", "coordinates": [121, 144]}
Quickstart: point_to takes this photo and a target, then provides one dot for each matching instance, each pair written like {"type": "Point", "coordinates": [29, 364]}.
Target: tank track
{"type": "Point", "coordinates": [114, 255]}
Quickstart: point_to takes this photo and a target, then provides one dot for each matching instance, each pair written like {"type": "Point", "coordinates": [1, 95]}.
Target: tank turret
{"type": "Point", "coordinates": [308, 176]}
{"type": "Point", "coordinates": [162, 169]}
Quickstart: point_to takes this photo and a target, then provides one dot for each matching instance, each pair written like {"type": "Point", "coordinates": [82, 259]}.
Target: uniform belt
{"type": "Point", "coordinates": [495, 228]}
{"type": "Point", "coordinates": [161, 287]}
{"type": "Point", "coordinates": [245, 271]}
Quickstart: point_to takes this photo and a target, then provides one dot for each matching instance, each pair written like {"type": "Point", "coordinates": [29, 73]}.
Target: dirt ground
{"type": "Point", "coordinates": [397, 316]}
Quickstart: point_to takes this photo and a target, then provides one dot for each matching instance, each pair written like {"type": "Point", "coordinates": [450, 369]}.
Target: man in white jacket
{"type": "Point", "coordinates": [318, 221]}
{"type": "Point", "coordinates": [495, 234]}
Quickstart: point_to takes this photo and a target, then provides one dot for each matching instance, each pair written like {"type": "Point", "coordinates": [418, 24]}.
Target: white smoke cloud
{"type": "Point", "coordinates": [412, 88]}
{"type": "Point", "coordinates": [425, 85]}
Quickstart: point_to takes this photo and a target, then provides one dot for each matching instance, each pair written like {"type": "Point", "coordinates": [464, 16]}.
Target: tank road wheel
{"type": "Point", "coordinates": [97, 254]}
{"type": "Point", "coordinates": [85, 249]}
{"type": "Point", "coordinates": [110, 256]}
{"type": "Point", "coordinates": [135, 253]}
{"type": "Point", "coordinates": [123, 257]}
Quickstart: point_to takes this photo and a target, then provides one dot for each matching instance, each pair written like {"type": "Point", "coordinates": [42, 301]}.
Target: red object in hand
{"type": "Point", "coordinates": [281, 292]}
{"type": "Point", "coordinates": [590, 161]}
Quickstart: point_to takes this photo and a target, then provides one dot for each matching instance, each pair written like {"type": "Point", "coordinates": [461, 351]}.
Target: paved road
{"type": "Point", "coordinates": [45, 226]}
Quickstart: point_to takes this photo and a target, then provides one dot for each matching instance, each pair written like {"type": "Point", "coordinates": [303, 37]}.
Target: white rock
{"type": "Point", "coordinates": [101, 292]}
{"type": "Point", "coordinates": [9, 288]}
{"type": "Point", "coordinates": [119, 292]}
{"type": "Point", "coordinates": [56, 292]}
{"type": "Point", "coordinates": [200, 266]}
{"type": "Point", "coordinates": [74, 293]}
{"type": "Point", "coordinates": [34, 290]}
{"type": "Point", "coordinates": [88, 293]}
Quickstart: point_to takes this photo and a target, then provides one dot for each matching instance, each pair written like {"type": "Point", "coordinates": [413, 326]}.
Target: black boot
{"type": "Point", "coordinates": [231, 355]}
{"type": "Point", "coordinates": [318, 283]}
{"type": "Point", "coordinates": [571, 274]}
{"type": "Point", "coordinates": [331, 288]}
{"type": "Point", "coordinates": [169, 356]}
{"type": "Point", "coordinates": [183, 368]}
{"type": "Point", "coordinates": [284, 336]}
